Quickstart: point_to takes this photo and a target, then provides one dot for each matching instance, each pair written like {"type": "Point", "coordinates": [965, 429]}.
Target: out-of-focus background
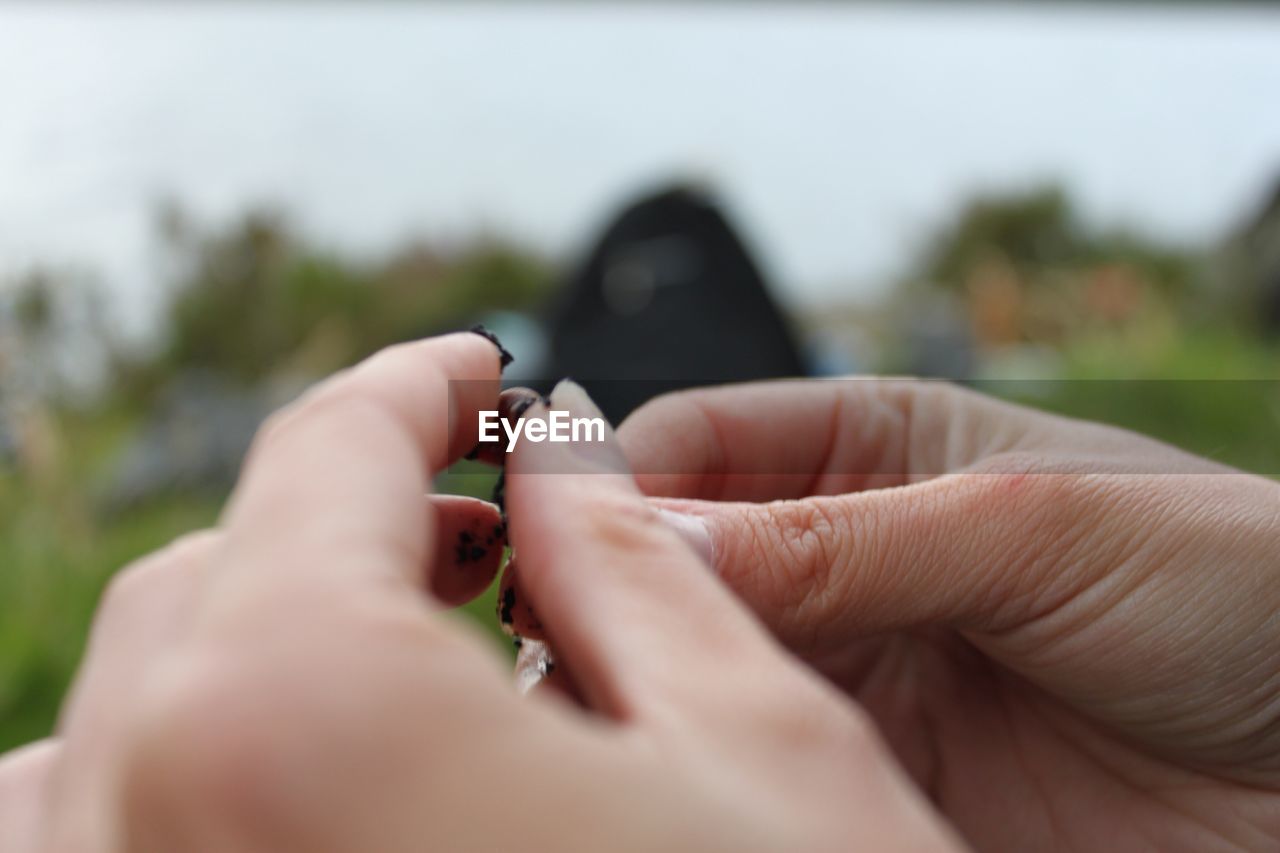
{"type": "Point", "coordinates": [204, 207]}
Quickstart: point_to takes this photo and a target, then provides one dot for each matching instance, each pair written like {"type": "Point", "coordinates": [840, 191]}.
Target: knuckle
{"type": "Point", "coordinates": [339, 395]}
{"type": "Point", "coordinates": [192, 546]}
{"type": "Point", "coordinates": [136, 582]}
{"type": "Point", "coordinates": [125, 587]}
{"type": "Point", "coordinates": [195, 750]}
{"type": "Point", "coordinates": [790, 558]}
{"type": "Point", "coordinates": [270, 429]}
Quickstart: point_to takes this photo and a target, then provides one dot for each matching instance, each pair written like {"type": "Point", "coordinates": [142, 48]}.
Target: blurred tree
{"type": "Point", "coordinates": [255, 298]}
{"type": "Point", "coordinates": [1029, 271]}
{"type": "Point", "coordinates": [1030, 231]}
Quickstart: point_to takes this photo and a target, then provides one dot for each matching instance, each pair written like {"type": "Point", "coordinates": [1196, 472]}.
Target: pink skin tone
{"type": "Point", "coordinates": [1066, 632]}
{"type": "Point", "coordinates": [995, 635]}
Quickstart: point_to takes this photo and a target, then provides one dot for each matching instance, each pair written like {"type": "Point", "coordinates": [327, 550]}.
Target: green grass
{"type": "Point", "coordinates": [55, 565]}
{"type": "Point", "coordinates": [57, 555]}
{"type": "Point", "coordinates": [1212, 393]}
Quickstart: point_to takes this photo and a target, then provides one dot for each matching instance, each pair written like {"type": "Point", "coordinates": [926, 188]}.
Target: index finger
{"type": "Point", "coordinates": [796, 438]}
{"type": "Point", "coordinates": [332, 489]}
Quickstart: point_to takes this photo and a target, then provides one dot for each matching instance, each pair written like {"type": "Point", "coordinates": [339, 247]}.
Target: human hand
{"type": "Point", "coordinates": [1067, 632]}
{"type": "Point", "coordinates": [290, 680]}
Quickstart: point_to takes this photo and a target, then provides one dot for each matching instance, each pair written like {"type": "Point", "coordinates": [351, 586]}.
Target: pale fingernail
{"type": "Point", "coordinates": [693, 530]}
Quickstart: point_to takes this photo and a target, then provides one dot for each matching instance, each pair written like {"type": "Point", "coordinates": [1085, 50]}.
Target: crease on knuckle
{"type": "Point", "coordinates": [791, 559]}
{"type": "Point", "coordinates": [125, 587]}
{"type": "Point", "coordinates": [136, 581]}
{"type": "Point", "coordinates": [1053, 507]}
{"type": "Point", "coordinates": [199, 752]}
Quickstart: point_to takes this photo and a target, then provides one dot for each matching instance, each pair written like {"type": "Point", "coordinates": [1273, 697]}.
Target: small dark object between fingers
{"type": "Point", "coordinates": [504, 357]}
{"type": "Point", "coordinates": [498, 536]}
{"type": "Point", "coordinates": [513, 404]}
{"type": "Point", "coordinates": [499, 498]}
{"type": "Point", "coordinates": [506, 605]}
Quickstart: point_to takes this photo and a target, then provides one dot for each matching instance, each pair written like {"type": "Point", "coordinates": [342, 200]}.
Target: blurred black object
{"type": "Point", "coordinates": [668, 298]}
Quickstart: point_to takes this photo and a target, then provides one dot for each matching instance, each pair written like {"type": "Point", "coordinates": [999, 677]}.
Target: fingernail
{"type": "Point", "coordinates": [598, 450]}
{"type": "Point", "coordinates": [693, 530]}
{"type": "Point", "coordinates": [504, 357]}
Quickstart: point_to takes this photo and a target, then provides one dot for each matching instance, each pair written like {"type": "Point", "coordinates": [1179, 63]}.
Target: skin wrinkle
{"type": "Point", "coordinates": [863, 566]}
{"type": "Point", "coordinates": [819, 528]}
{"type": "Point", "coordinates": [1131, 595]}
{"type": "Point", "coordinates": [1094, 613]}
{"type": "Point", "coordinates": [1035, 661]}
{"type": "Point", "coordinates": [1258, 738]}
{"type": "Point", "coordinates": [906, 406]}
{"type": "Point", "coordinates": [921, 513]}
{"type": "Point", "coordinates": [960, 438]}
{"type": "Point", "coordinates": [1018, 749]}
{"type": "Point", "coordinates": [715, 463]}
{"type": "Point", "coordinates": [1104, 761]}
{"type": "Point", "coordinates": [1000, 594]}
{"type": "Point", "coordinates": [834, 420]}
{"type": "Point", "coordinates": [866, 431]}
{"type": "Point", "coordinates": [1099, 750]}
{"type": "Point", "coordinates": [773, 580]}
{"type": "Point", "coordinates": [1269, 724]}
{"type": "Point", "coordinates": [886, 428]}
{"type": "Point", "coordinates": [1095, 749]}
{"type": "Point", "coordinates": [1070, 602]}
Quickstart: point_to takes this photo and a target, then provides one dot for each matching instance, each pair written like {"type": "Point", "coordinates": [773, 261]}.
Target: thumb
{"type": "Point", "coordinates": [622, 597]}
{"type": "Point", "coordinates": [975, 551]}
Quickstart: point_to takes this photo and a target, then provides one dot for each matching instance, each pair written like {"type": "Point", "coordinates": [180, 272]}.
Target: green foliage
{"type": "Point", "coordinates": [244, 302]}
{"type": "Point", "coordinates": [1038, 232]}
{"type": "Point", "coordinates": [256, 298]}
{"type": "Point", "coordinates": [57, 554]}
{"type": "Point", "coordinates": [1212, 393]}
{"type": "Point", "coordinates": [1032, 230]}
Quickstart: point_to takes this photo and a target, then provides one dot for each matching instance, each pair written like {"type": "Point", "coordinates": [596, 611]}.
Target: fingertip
{"type": "Point", "coordinates": [693, 529]}
{"type": "Point", "coordinates": [505, 358]}
{"type": "Point", "coordinates": [470, 541]}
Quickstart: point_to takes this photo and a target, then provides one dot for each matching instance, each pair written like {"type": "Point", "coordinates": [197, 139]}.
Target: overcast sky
{"type": "Point", "coordinates": [838, 134]}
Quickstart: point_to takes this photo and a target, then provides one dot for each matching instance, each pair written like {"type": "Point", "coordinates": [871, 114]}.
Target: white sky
{"type": "Point", "coordinates": [838, 133]}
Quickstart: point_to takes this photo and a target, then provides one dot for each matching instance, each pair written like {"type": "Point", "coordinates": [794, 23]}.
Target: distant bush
{"type": "Point", "coordinates": [1029, 271]}
{"type": "Point", "coordinates": [256, 297]}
